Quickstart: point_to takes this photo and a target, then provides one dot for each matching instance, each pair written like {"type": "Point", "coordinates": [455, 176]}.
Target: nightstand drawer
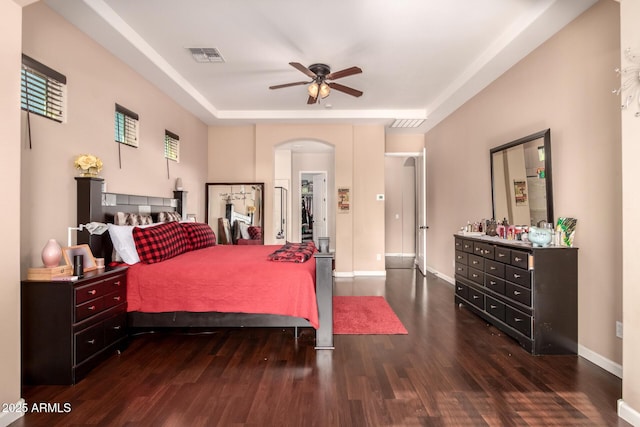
{"type": "Point", "coordinates": [115, 298]}
{"type": "Point", "coordinates": [88, 292]}
{"type": "Point", "coordinates": [88, 342]}
{"type": "Point", "coordinates": [89, 308]}
{"type": "Point", "coordinates": [115, 328]}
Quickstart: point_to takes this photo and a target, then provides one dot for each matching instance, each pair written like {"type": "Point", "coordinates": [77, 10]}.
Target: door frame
{"type": "Point", "coordinates": [324, 207]}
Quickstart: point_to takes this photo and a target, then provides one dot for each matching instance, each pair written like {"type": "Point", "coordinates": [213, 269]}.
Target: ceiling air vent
{"type": "Point", "coordinates": [406, 123]}
{"type": "Point", "coordinates": [206, 54]}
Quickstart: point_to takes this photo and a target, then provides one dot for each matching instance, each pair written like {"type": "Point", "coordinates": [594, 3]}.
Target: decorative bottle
{"type": "Point", "coordinates": [51, 253]}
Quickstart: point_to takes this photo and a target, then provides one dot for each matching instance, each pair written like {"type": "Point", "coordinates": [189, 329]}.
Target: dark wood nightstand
{"type": "Point", "coordinates": [70, 327]}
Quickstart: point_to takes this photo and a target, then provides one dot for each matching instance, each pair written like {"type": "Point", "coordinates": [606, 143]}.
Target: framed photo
{"type": "Point", "coordinates": [520, 189]}
{"type": "Point", "coordinates": [343, 199]}
{"type": "Point", "coordinates": [89, 262]}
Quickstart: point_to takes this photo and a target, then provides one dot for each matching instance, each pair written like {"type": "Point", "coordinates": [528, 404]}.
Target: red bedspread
{"type": "Point", "coordinates": [225, 278]}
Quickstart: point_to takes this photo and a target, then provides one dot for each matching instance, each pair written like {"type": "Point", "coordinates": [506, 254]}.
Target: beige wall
{"type": "Point", "coordinates": [404, 143]}
{"type": "Point", "coordinates": [359, 165]}
{"type": "Point", "coordinates": [564, 85]}
{"type": "Point", "coordinates": [630, 38]}
{"type": "Point", "coordinates": [10, 46]}
{"type": "Point", "coordinates": [400, 205]}
{"type": "Point", "coordinates": [96, 80]}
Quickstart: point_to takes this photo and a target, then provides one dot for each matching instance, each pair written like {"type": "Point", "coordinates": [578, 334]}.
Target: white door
{"type": "Point", "coordinates": [421, 222]}
{"type": "Point", "coordinates": [319, 206]}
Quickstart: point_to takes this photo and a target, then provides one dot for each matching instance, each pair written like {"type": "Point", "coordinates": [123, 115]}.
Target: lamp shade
{"type": "Point", "coordinates": [324, 90]}
{"type": "Point", "coordinates": [313, 90]}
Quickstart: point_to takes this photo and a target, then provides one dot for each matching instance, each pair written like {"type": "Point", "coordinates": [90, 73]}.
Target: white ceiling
{"type": "Point", "coordinates": [420, 58]}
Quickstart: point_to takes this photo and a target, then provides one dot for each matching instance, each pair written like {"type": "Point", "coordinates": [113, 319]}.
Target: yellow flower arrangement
{"type": "Point", "coordinates": [88, 164]}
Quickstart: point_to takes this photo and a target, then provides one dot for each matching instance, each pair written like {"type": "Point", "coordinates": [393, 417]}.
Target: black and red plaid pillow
{"type": "Point", "coordinates": [163, 241]}
{"type": "Point", "coordinates": [294, 252]}
{"type": "Point", "coordinates": [255, 232]}
{"type": "Point", "coordinates": [200, 235]}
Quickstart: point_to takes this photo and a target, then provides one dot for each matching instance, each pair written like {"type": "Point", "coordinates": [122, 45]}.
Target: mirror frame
{"type": "Point", "coordinates": [546, 136]}
{"type": "Point", "coordinates": [208, 200]}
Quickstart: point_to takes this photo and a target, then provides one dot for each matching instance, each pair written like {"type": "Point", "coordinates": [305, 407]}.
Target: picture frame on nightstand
{"type": "Point", "coordinates": [89, 262]}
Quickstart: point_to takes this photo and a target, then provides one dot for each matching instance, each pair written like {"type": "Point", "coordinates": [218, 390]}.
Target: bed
{"type": "Point", "coordinates": [241, 288]}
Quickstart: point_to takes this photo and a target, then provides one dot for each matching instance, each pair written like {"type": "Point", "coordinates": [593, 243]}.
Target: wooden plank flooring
{"type": "Point", "coordinates": [452, 369]}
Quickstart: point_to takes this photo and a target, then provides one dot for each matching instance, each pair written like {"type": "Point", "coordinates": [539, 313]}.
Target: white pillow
{"type": "Point", "coordinates": [122, 239]}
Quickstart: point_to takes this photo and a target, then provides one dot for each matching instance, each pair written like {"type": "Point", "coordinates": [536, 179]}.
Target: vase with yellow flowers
{"type": "Point", "coordinates": [88, 165]}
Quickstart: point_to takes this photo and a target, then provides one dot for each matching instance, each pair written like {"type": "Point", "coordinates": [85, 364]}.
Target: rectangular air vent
{"type": "Point", "coordinates": [205, 54]}
{"type": "Point", "coordinates": [406, 123]}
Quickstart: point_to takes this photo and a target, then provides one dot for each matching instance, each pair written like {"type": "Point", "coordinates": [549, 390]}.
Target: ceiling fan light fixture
{"type": "Point", "coordinates": [313, 90]}
{"type": "Point", "coordinates": [324, 90]}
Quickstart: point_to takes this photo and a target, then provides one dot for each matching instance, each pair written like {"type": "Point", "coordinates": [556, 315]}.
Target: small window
{"type": "Point", "coordinates": [43, 90]}
{"type": "Point", "coordinates": [126, 126]}
{"type": "Point", "coordinates": [171, 146]}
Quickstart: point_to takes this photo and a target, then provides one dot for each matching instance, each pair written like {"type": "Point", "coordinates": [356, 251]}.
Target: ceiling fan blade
{"type": "Point", "coordinates": [312, 100]}
{"type": "Point", "coordinates": [304, 69]}
{"type": "Point", "coordinates": [345, 89]}
{"type": "Point", "coordinates": [288, 84]}
{"type": "Point", "coordinates": [343, 73]}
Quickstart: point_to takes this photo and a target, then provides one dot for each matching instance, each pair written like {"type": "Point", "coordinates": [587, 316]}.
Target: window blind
{"type": "Point", "coordinates": [126, 126]}
{"type": "Point", "coordinates": [171, 146]}
{"type": "Point", "coordinates": [43, 90]}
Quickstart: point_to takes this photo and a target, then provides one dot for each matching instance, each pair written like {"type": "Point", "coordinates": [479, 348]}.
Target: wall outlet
{"type": "Point", "coordinates": [619, 329]}
{"type": "Point", "coordinates": [378, 257]}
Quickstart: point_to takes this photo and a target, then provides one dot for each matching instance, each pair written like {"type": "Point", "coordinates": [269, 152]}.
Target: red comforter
{"type": "Point", "coordinates": [225, 278]}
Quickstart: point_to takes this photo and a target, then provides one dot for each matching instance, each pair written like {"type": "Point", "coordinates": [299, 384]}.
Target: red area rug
{"type": "Point", "coordinates": [365, 316]}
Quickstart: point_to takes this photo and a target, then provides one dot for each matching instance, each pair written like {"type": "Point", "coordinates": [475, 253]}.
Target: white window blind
{"type": "Point", "coordinates": [126, 126]}
{"type": "Point", "coordinates": [43, 90]}
{"type": "Point", "coordinates": [171, 146]}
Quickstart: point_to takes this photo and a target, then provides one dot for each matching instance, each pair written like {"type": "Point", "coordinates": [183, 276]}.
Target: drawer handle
{"type": "Point", "coordinates": [116, 328]}
{"type": "Point", "coordinates": [517, 292]}
{"type": "Point", "coordinates": [493, 307]}
{"type": "Point", "coordinates": [517, 259]}
{"type": "Point", "coordinates": [91, 342]}
{"type": "Point", "coordinates": [117, 283]}
{"type": "Point", "coordinates": [459, 257]}
{"type": "Point", "coordinates": [459, 288]}
{"type": "Point", "coordinates": [92, 292]}
{"type": "Point", "coordinates": [486, 251]}
{"type": "Point", "coordinates": [501, 255]}
{"type": "Point", "coordinates": [475, 275]}
{"type": "Point", "coordinates": [476, 297]}
{"type": "Point", "coordinates": [516, 276]}
{"type": "Point", "coordinates": [491, 282]}
{"type": "Point", "coordinates": [91, 307]}
{"type": "Point", "coordinates": [492, 268]}
{"type": "Point", "coordinates": [459, 268]}
{"type": "Point", "coordinates": [476, 262]}
{"type": "Point", "coordinates": [517, 319]}
{"type": "Point", "coordinates": [116, 298]}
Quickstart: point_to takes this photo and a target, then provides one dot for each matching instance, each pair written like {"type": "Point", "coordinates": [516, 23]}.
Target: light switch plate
{"type": "Point", "coordinates": [379, 196]}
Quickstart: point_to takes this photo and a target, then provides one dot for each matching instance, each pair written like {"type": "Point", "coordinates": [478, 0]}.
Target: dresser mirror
{"type": "Point", "coordinates": [521, 180]}
{"type": "Point", "coordinates": [229, 204]}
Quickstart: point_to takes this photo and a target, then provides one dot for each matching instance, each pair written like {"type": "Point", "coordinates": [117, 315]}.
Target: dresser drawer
{"type": "Point", "coordinates": [467, 246]}
{"type": "Point", "coordinates": [115, 298]}
{"type": "Point", "coordinates": [494, 268]}
{"type": "Point", "coordinates": [518, 293]}
{"type": "Point", "coordinates": [518, 320]}
{"type": "Point", "coordinates": [495, 308]}
{"type": "Point", "coordinates": [476, 298]}
{"type": "Point", "coordinates": [494, 283]}
{"type": "Point", "coordinates": [462, 290]}
{"type": "Point", "coordinates": [89, 342]}
{"type": "Point", "coordinates": [461, 270]}
{"type": "Point", "coordinates": [89, 308]}
{"type": "Point", "coordinates": [503, 255]}
{"type": "Point", "coordinates": [520, 259]}
{"type": "Point", "coordinates": [87, 292]}
{"type": "Point", "coordinates": [488, 251]}
{"type": "Point", "coordinates": [458, 244]}
{"type": "Point", "coordinates": [115, 328]}
{"type": "Point", "coordinates": [476, 275]}
{"type": "Point", "coordinates": [476, 262]}
{"type": "Point", "coordinates": [115, 283]}
{"type": "Point", "coordinates": [461, 257]}
{"type": "Point", "coordinates": [518, 275]}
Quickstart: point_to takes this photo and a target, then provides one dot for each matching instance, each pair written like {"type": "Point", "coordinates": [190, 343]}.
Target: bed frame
{"type": "Point", "coordinates": [93, 205]}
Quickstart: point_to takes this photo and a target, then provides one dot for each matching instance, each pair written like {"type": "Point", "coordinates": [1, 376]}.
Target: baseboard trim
{"type": "Point", "coordinates": [382, 273]}
{"type": "Point", "coordinates": [346, 274]}
{"type": "Point", "coordinates": [601, 361]}
{"type": "Point", "coordinates": [628, 414]}
{"type": "Point", "coordinates": [444, 277]}
{"type": "Point", "coordinates": [412, 255]}
{"type": "Point", "coordinates": [7, 418]}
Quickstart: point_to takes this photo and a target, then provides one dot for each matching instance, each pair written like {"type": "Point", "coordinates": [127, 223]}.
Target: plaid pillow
{"type": "Point", "coordinates": [294, 252]}
{"type": "Point", "coordinates": [163, 241]}
{"type": "Point", "coordinates": [200, 235]}
{"type": "Point", "coordinates": [255, 232]}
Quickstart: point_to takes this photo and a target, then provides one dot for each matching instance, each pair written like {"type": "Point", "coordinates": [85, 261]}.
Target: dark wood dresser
{"type": "Point", "coordinates": [70, 327]}
{"type": "Point", "coordinates": [528, 293]}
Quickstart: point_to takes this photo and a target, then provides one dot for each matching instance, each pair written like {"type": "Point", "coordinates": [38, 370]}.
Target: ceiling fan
{"type": "Point", "coordinates": [319, 87]}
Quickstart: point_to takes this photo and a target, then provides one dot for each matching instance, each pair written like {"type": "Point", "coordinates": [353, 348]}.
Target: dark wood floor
{"type": "Point", "coordinates": [452, 369]}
